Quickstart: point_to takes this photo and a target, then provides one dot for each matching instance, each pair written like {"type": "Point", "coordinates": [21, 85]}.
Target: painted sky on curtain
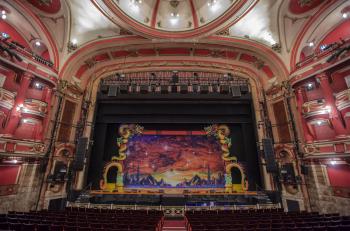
{"type": "Point", "coordinates": [174, 161]}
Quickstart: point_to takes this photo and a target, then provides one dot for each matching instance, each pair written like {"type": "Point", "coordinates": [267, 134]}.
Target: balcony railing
{"type": "Point", "coordinates": [34, 107]}
{"type": "Point", "coordinates": [16, 50]}
{"type": "Point", "coordinates": [343, 99]}
{"type": "Point", "coordinates": [318, 55]}
{"type": "Point", "coordinates": [315, 107]}
{"type": "Point", "coordinates": [341, 191]}
{"type": "Point", "coordinates": [7, 98]}
{"type": "Point", "coordinates": [6, 190]}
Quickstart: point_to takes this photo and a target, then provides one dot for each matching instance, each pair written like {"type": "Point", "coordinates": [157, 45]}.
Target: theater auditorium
{"type": "Point", "coordinates": [174, 115]}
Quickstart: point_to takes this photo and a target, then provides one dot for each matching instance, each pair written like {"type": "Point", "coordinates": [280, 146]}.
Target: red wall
{"type": "Point", "coordinates": [339, 175]}
{"type": "Point", "coordinates": [8, 174]}
{"type": "Point", "coordinates": [341, 31]}
{"type": "Point", "coordinates": [8, 29]}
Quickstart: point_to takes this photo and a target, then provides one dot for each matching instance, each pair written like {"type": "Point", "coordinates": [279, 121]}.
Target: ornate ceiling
{"type": "Point", "coordinates": [174, 18]}
{"type": "Point", "coordinates": [268, 36]}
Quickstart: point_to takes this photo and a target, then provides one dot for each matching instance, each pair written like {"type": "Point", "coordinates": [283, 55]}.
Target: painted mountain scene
{"type": "Point", "coordinates": [173, 161]}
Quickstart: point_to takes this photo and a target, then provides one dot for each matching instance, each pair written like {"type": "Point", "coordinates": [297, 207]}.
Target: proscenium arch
{"type": "Point", "coordinates": [94, 76]}
{"type": "Point", "coordinates": [260, 51]}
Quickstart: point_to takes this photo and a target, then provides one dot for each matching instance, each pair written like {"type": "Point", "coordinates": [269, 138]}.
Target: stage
{"type": "Point", "coordinates": [171, 191]}
{"type": "Point", "coordinates": [189, 198]}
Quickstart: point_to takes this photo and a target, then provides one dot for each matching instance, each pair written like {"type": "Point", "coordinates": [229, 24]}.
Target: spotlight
{"type": "Point", "coordinates": [328, 109]}
{"type": "Point", "coordinates": [3, 16]}
{"type": "Point", "coordinates": [74, 41]}
{"type": "Point", "coordinates": [345, 15]}
{"type": "Point", "coordinates": [5, 35]}
{"type": "Point", "coordinates": [319, 122]}
{"type": "Point", "coordinates": [37, 43]}
{"type": "Point", "coordinates": [333, 162]}
{"type": "Point", "coordinates": [311, 44]}
{"type": "Point", "coordinates": [37, 85]}
{"type": "Point", "coordinates": [15, 161]}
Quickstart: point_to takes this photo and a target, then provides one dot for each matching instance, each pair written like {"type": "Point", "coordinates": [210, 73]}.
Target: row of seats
{"type": "Point", "coordinates": [85, 220]}
{"type": "Point", "coordinates": [264, 220]}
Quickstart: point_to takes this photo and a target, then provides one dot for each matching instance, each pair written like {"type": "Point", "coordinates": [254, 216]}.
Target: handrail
{"type": "Point", "coordinates": [15, 47]}
{"type": "Point", "coordinates": [322, 53]}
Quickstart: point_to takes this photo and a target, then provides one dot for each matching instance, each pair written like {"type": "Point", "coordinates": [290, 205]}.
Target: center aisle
{"type": "Point", "coordinates": [174, 225]}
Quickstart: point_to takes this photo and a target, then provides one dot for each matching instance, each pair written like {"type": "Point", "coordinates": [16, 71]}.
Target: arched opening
{"type": "Point", "coordinates": [112, 174]}
{"type": "Point", "coordinates": [236, 175]}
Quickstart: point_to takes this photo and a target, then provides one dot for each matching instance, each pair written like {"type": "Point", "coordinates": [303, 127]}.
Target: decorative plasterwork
{"type": "Point", "coordinates": [164, 19]}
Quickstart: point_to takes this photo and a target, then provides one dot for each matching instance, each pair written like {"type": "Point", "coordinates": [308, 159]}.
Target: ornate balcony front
{"type": "Point", "coordinates": [7, 98]}
{"type": "Point", "coordinates": [34, 107]}
{"type": "Point", "coordinates": [343, 100]}
{"type": "Point", "coordinates": [16, 147]}
{"type": "Point", "coordinates": [315, 109]}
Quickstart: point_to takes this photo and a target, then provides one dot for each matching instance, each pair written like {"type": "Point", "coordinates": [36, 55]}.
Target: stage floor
{"type": "Point", "coordinates": [172, 191]}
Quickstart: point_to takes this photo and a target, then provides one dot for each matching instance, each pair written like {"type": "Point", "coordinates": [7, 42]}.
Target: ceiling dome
{"type": "Point", "coordinates": [175, 18]}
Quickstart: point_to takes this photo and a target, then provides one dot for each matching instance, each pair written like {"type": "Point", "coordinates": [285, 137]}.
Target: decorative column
{"type": "Point", "coordinates": [46, 97]}
{"type": "Point", "coordinates": [334, 114]}
{"type": "Point", "coordinates": [15, 115]}
{"type": "Point", "coordinates": [300, 101]}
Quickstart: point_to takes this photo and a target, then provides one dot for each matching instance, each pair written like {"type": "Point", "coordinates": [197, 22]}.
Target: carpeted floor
{"type": "Point", "coordinates": [174, 225]}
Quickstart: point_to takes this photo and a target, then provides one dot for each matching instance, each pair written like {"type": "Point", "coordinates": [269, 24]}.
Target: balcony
{"type": "Point", "coordinates": [34, 107]}
{"type": "Point", "coordinates": [7, 98]}
{"type": "Point", "coordinates": [7, 190]}
{"type": "Point", "coordinates": [15, 50]}
{"type": "Point", "coordinates": [341, 191]}
{"type": "Point", "coordinates": [343, 99]}
{"type": "Point", "coordinates": [332, 49]}
{"type": "Point", "coordinates": [315, 108]}
{"type": "Point", "coordinates": [17, 147]}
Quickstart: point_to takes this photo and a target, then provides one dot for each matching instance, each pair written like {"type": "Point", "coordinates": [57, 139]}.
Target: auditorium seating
{"type": "Point", "coordinates": [261, 220]}
{"type": "Point", "coordinates": [82, 219]}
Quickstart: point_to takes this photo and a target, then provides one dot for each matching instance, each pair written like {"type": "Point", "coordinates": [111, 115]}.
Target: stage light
{"type": "Point", "coordinates": [309, 86]}
{"type": "Point", "coordinates": [5, 35]}
{"type": "Point", "coordinates": [319, 122]}
{"type": "Point", "coordinates": [345, 15]}
{"type": "Point", "coordinates": [311, 44]}
{"type": "Point", "coordinates": [74, 41]}
{"type": "Point", "coordinates": [25, 121]}
{"type": "Point", "coordinates": [328, 109]}
{"type": "Point", "coordinates": [15, 161]}
{"type": "Point", "coordinates": [19, 107]}
{"type": "Point", "coordinates": [37, 43]}
{"type": "Point", "coordinates": [3, 16]}
{"type": "Point", "coordinates": [333, 162]}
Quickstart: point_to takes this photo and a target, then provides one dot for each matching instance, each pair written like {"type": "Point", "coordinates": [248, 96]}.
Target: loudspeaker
{"type": "Point", "coordinates": [244, 89]}
{"type": "Point", "coordinates": [78, 163]}
{"type": "Point", "coordinates": [195, 88]}
{"type": "Point", "coordinates": [204, 89]}
{"type": "Point", "coordinates": [236, 91]}
{"type": "Point", "coordinates": [174, 89]}
{"type": "Point", "coordinates": [183, 89]}
{"type": "Point", "coordinates": [164, 89]}
{"type": "Point", "coordinates": [225, 89]}
{"type": "Point", "coordinates": [304, 169]}
{"type": "Point", "coordinates": [144, 89]}
{"type": "Point", "coordinates": [123, 89]}
{"type": "Point", "coordinates": [112, 90]}
{"type": "Point", "coordinates": [104, 89]}
{"type": "Point", "coordinates": [269, 153]}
